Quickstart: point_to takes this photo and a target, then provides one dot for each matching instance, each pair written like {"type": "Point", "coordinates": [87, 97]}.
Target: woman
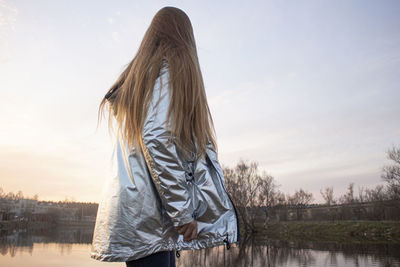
{"type": "Point", "coordinates": [168, 190]}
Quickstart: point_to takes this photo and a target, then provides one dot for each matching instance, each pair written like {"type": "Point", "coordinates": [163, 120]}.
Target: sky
{"type": "Point", "coordinates": [309, 90]}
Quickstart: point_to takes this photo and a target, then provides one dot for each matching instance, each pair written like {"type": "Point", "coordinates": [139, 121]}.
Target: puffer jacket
{"type": "Point", "coordinates": [153, 189]}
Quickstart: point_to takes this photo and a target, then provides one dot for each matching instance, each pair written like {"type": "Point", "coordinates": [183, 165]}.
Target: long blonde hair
{"type": "Point", "coordinates": [169, 37]}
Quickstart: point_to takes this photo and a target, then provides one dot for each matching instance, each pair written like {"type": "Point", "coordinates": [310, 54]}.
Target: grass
{"type": "Point", "coordinates": [340, 231]}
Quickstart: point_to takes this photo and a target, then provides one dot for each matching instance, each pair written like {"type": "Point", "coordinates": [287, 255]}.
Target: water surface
{"type": "Point", "coordinates": [71, 247]}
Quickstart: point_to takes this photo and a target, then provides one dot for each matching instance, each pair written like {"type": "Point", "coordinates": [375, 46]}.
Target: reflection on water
{"type": "Point", "coordinates": [66, 246]}
{"type": "Point", "coordinates": [283, 253]}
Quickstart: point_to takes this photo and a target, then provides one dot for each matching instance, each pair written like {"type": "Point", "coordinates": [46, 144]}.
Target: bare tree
{"type": "Point", "coordinates": [270, 195]}
{"type": "Point", "coordinates": [280, 198]}
{"type": "Point", "coordinates": [349, 196]}
{"type": "Point", "coordinates": [391, 173]}
{"type": "Point", "coordinates": [10, 196]}
{"type": "Point", "coordinates": [376, 194]}
{"type": "Point", "coordinates": [300, 198]}
{"type": "Point", "coordinates": [328, 196]}
{"type": "Point", "coordinates": [361, 194]}
{"type": "Point", "coordinates": [20, 195]}
{"type": "Point", "coordinates": [269, 191]}
{"type": "Point", "coordinates": [249, 190]}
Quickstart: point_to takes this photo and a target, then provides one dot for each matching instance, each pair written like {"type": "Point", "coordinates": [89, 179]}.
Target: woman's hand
{"type": "Point", "coordinates": [189, 230]}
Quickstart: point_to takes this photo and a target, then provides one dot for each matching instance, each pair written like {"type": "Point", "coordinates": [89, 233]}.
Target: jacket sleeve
{"type": "Point", "coordinates": [165, 166]}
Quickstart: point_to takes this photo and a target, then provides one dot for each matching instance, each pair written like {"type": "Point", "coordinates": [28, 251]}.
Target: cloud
{"type": "Point", "coordinates": [116, 37]}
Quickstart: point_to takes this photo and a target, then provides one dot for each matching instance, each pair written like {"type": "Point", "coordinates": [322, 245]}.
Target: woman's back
{"type": "Point", "coordinates": [167, 189]}
{"type": "Point", "coordinates": [141, 206]}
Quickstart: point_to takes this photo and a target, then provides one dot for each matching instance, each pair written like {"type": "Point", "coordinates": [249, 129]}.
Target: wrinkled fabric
{"type": "Point", "coordinates": [152, 189]}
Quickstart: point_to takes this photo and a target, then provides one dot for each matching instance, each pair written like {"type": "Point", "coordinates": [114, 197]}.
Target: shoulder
{"type": "Point", "coordinates": [164, 70]}
{"type": "Point", "coordinates": [162, 82]}
{"type": "Point", "coordinates": [161, 93]}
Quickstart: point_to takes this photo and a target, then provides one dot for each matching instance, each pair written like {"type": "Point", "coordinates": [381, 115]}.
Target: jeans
{"type": "Point", "coordinates": [158, 259]}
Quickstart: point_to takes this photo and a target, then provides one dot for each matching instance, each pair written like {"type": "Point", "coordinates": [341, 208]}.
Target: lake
{"type": "Point", "coordinates": [67, 247]}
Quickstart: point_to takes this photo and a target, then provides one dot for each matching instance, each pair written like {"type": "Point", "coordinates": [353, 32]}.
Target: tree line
{"type": "Point", "coordinates": [248, 189]}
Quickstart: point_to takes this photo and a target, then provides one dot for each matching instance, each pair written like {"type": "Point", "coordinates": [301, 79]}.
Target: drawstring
{"type": "Point", "coordinates": [228, 246]}
{"type": "Point", "coordinates": [177, 254]}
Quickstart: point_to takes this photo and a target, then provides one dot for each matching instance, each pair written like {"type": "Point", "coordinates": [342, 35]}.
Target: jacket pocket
{"type": "Point", "coordinates": [200, 205]}
{"type": "Point", "coordinates": [213, 161]}
{"type": "Point", "coordinates": [209, 198]}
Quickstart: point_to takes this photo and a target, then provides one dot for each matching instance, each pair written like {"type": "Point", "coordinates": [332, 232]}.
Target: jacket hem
{"type": "Point", "coordinates": [160, 246]}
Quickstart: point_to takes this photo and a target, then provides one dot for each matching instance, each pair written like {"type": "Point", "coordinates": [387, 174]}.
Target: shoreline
{"type": "Point", "coordinates": [338, 231]}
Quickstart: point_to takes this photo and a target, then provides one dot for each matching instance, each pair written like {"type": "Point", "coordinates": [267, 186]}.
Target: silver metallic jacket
{"type": "Point", "coordinates": [153, 189]}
